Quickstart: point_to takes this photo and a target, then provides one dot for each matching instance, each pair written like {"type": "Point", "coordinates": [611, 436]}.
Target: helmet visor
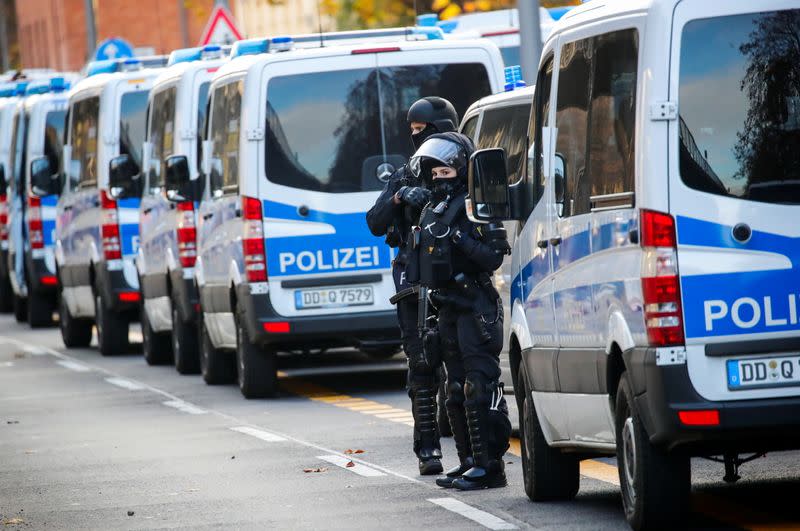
{"type": "Point", "coordinates": [437, 152]}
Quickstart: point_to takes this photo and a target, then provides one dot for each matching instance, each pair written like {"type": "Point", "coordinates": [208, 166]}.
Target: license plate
{"type": "Point", "coordinates": [774, 371]}
{"type": "Point", "coordinates": [305, 299]}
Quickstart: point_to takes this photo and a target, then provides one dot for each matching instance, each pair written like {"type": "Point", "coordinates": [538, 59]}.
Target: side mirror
{"type": "Point", "coordinates": [3, 183]}
{"type": "Point", "coordinates": [122, 176]}
{"type": "Point", "coordinates": [488, 185]}
{"type": "Point", "coordinates": [43, 181]}
{"type": "Point", "coordinates": [177, 179]}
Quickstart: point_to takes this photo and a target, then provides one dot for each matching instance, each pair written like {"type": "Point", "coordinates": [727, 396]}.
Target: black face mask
{"type": "Point", "coordinates": [444, 187]}
{"type": "Point", "coordinates": [418, 138]}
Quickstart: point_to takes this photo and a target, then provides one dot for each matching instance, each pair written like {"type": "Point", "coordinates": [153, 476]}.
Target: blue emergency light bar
{"type": "Point", "coordinates": [209, 51]}
{"type": "Point", "coordinates": [513, 77]}
{"type": "Point", "coordinates": [19, 90]}
{"type": "Point", "coordinates": [44, 86]}
{"type": "Point", "coordinates": [128, 64]}
{"type": "Point", "coordinates": [7, 90]}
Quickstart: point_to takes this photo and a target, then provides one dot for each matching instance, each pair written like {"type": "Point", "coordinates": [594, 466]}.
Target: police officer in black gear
{"type": "Point", "coordinates": [396, 210]}
{"type": "Point", "coordinates": [456, 258]}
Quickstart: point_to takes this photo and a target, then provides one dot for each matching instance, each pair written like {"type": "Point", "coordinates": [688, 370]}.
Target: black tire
{"type": "Point", "coordinates": [548, 473]}
{"type": "Point", "coordinates": [76, 333]}
{"type": "Point", "coordinates": [20, 308]}
{"type": "Point", "coordinates": [256, 367]}
{"type": "Point", "coordinates": [185, 348]}
{"type": "Point", "coordinates": [6, 295]}
{"type": "Point", "coordinates": [381, 353]}
{"type": "Point", "coordinates": [217, 367]}
{"type": "Point", "coordinates": [441, 410]}
{"type": "Point", "coordinates": [40, 310]}
{"type": "Point", "coordinates": [156, 347]}
{"type": "Point", "coordinates": [655, 484]}
{"type": "Point", "coordinates": [112, 328]}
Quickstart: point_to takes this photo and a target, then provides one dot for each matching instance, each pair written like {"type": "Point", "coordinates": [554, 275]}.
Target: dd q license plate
{"type": "Point", "coordinates": [776, 371]}
{"type": "Point", "coordinates": [305, 299]}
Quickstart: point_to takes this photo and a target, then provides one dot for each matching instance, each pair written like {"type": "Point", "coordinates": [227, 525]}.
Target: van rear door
{"type": "Point", "coordinates": [735, 194]}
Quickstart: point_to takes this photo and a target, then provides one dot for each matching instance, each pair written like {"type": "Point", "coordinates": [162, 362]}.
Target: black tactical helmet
{"type": "Point", "coordinates": [435, 111]}
{"type": "Point", "coordinates": [443, 149]}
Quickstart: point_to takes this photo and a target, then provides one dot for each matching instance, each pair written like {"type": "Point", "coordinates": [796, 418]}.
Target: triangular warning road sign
{"type": "Point", "coordinates": [220, 28]}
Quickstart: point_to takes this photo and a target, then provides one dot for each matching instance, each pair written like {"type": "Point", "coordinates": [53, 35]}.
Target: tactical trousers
{"type": "Point", "coordinates": [471, 345]}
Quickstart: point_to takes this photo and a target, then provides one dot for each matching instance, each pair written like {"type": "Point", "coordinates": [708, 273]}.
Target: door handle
{"type": "Point", "coordinates": [541, 244]}
{"type": "Point", "coordinates": [208, 216]}
{"type": "Point", "coordinates": [148, 210]}
{"type": "Point", "coordinates": [555, 241]}
{"type": "Point", "coordinates": [67, 208]}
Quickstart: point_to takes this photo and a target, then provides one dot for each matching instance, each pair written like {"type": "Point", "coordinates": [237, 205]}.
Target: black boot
{"type": "Point", "coordinates": [490, 477]}
{"type": "Point", "coordinates": [429, 453]}
{"type": "Point", "coordinates": [454, 473]}
{"type": "Point", "coordinates": [458, 423]}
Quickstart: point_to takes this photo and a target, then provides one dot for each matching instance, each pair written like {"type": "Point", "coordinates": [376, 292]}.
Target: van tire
{"type": "Point", "coordinates": [659, 498]}
{"type": "Point", "coordinates": [217, 367]}
{"type": "Point", "coordinates": [112, 328]}
{"type": "Point", "coordinates": [6, 295]}
{"type": "Point", "coordinates": [185, 349]}
{"type": "Point", "coordinates": [156, 347]}
{"type": "Point", "coordinates": [76, 333]}
{"type": "Point", "coordinates": [40, 310]}
{"type": "Point", "coordinates": [256, 367]}
{"type": "Point", "coordinates": [548, 473]}
{"type": "Point", "coordinates": [20, 308]}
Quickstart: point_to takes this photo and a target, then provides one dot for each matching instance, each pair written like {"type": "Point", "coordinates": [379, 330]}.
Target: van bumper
{"type": "Point", "coordinates": [120, 296]}
{"type": "Point", "coordinates": [744, 425]}
{"type": "Point", "coordinates": [37, 271]}
{"type": "Point", "coordinates": [362, 330]}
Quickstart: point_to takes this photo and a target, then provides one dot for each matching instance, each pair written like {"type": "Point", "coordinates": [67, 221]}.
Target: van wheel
{"type": "Point", "coordinates": [112, 329]}
{"type": "Point", "coordinates": [155, 346]}
{"type": "Point", "coordinates": [184, 343]}
{"type": "Point", "coordinates": [76, 333]}
{"type": "Point", "coordinates": [257, 368]}
{"type": "Point", "coordinates": [20, 308]}
{"type": "Point", "coordinates": [655, 484]}
{"type": "Point", "coordinates": [548, 473]}
{"type": "Point", "coordinates": [6, 295]}
{"type": "Point", "coordinates": [40, 310]}
{"type": "Point", "coordinates": [216, 366]}
{"type": "Point", "coordinates": [445, 430]}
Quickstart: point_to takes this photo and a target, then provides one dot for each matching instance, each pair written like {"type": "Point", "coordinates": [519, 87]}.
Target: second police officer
{"type": "Point", "coordinates": [395, 211]}
{"type": "Point", "coordinates": [455, 259]}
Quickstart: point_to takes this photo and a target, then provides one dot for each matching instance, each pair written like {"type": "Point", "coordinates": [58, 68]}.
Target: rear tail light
{"type": "Point", "coordinates": [660, 283]}
{"type": "Point", "coordinates": [35, 226]}
{"type": "Point", "coordinates": [3, 218]}
{"type": "Point", "coordinates": [701, 417]}
{"type": "Point", "coordinates": [276, 327]}
{"type": "Point", "coordinates": [129, 296]}
{"type": "Point", "coordinates": [109, 230]}
{"type": "Point", "coordinates": [255, 259]}
{"type": "Point", "coordinates": [187, 234]}
{"type": "Point", "coordinates": [48, 280]}
{"type": "Point", "coordinates": [376, 50]}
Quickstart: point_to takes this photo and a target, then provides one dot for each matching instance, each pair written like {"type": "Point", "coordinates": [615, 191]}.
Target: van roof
{"type": "Point", "coordinates": [100, 81]}
{"type": "Point", "coordinates": [595, 10]}
{"type": "Point", "coordinates": [524, 94]}
{"type": "Point", "coordinates": [242, 64]}
{"type": "Point", "coordinates": [179, 70]}
{"type": "Point", "coordinates": [32, 101]}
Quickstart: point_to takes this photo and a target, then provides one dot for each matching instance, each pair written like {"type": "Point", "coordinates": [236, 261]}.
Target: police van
{"type": "Point", "coordinates": [10, 95]}
{"type": "Point", "coordinates": [97, 225]}
{"type": "Point", "coordinates": [37, 131]}
{"type": "Point", "coordinates": [654, 300]}
{"type": "Point", "coordinates": [167, 215]}
{"type": "Point", "coordinates": [299, 142]}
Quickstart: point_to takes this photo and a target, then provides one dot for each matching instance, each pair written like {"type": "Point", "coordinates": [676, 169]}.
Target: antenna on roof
{"type": "Point", "coordinates": [319, 21]}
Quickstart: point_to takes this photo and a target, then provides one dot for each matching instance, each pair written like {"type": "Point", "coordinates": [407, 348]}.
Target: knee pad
{"type": "Point", "coordinates": [477, 386]}
{"type": "Point", "coordinates": [455, 393]}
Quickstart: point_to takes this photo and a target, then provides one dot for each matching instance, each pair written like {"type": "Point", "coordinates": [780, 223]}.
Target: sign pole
{"type": "Point", "coordinates": [91, 30]}
{"type": "Point", "coordinates": [530, 38]}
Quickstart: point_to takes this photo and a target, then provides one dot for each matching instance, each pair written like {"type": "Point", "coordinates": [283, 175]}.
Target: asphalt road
{"type": "Point", "coordinates": [88, 442]}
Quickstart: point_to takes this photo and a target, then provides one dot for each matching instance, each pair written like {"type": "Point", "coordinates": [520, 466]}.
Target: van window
{"type": "Point", "coordinates": [326, 131]}
{"type": "Point", "coordinates": [470, 126]}
{"type": "Point", "coordinates": [82, 170]}
{"type": "Point", "coordinates": [539, 119]}
{"type": "Point", "coordinates": [161, 134]}
{"type": "Point", "coordinates": [739, 103]}
{"type": "Point", "coordinates": [53, 135]}
{"type": "Point", "coordinates": [202, 105]}
{"type": "Point", "coordinates": [507, 128]}
{"type": "Point", "coordinates": [17, 152]}
{"type": "Point", "coordinates": [132, 122]}
{"type": "Point", "coordinates": [224, 133]}
{"type": "Point", "coordinates": [595, 117]}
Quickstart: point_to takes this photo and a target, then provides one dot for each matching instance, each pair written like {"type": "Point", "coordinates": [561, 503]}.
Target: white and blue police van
{"type": "Point", "coordinates": [36, 148]}
{"type": "Point", "coordinates": [298, 145]}
{"type": "Point", "coordinates": [167, 213]}
{"type": "Point", "coordinates": [11, 94]}
{"type": "Point", "coordinates": [654, 294]}
{"type": "Point", "coordinates": [97, 214]}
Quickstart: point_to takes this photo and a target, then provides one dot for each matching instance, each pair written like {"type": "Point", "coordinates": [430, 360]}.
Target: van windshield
{"type": "Point", "coordinates": [336, 131]}
{"type": "Point", "coordinates": [132, 119]}
{"type": "Point", "coordinates": [740, 106]}
{"type": "Point", "coordinates": [53, 138]}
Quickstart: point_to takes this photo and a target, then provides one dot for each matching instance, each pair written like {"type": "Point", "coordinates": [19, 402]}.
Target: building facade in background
{"type": "Point", "coordinates": [52, 33]}
{"type": "Point", "coordinates": [264, 18]}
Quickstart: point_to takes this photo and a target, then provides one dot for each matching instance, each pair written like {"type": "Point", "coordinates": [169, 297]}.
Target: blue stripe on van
{"type": "Point", "coordinates": [129, 232]}
{"type": "Point", "coordinates": [350, 248]}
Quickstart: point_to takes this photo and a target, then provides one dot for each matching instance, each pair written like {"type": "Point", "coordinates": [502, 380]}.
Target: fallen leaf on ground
{"type": "Point", "coordinates": [30, 452]}
{"type": "Point", "coordinates": [130, 513]}
{"type": "Point", "coordinates": [19, 355]}
{"type": "Point", "coordinates": [320, 469]}
{"type": "Point", "coordinates": [14, 521]}
{"type": "Point", "coordinates": [350, 464]}
{"type": "Point", "coordinates": [350, 452]}
{"type": "Point", "coordinates": [12, 422]}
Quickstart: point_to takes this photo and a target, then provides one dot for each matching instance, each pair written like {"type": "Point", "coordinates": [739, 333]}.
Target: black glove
{"type": "Point", "coordinates": [415, 196]}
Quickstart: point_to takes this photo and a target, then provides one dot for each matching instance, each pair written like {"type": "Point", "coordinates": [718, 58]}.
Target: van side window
{"type": "Point", "coordinates": [202, 110]}
{"type": "Point", "coordinates": [506, 127]}
{"type": "Point", "coordinates": [535, 176]}
{"type": "Point", "coordinates": [132, 123]}
{"type": "Point", "coordinates": [470, 126]}
{"type": "Point", "coordinates": [224, 133]}
{"type": "Point", "coordinates": [53, 134]}
{"type": "Point", "coordinates": [595, 117]}
{"type": "Point", "coordinates": [16, 160]}
{"type": "Point", "coordinates": [161, 134]}
{"type": "Point", "coordinates": [82, 168]}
